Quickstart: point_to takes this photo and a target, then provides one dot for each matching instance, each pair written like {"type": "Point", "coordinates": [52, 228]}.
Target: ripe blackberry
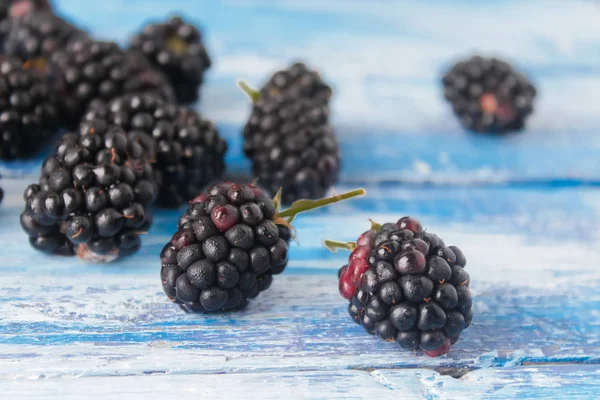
{"type": "Point", "coordinates": [188, 150]}
{"type": "Point", "coordinates": [10, 9]}
{"type": "Point", "coordinates": [92, 196]}
{"type": "Point", "coordinates": [28, 114]}
{"type": "Point", "coordinates": [404, 284]}
{"type": "Point", "coordinates": [229, 244]}
{"type": "Point", "coordinates": [100, 70]}
{"type": "Point", "coordinates": [175, 47]}
{"type": "Point", "coordinates": [295, 82]}
{"type": "Point", "coordinates": [289, 140]}
{"type": "Point", "coordinates": [39, 34]}
{"type": "Point", "coordinates": [488, 95]}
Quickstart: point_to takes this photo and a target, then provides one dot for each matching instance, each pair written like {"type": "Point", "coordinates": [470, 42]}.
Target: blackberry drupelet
{"type": "Point", "coordinates": [39, 35]}
{"type": "Point", "coordinates": [405, 284]}
{"type": "Point", "coordinates": [175, 47]}
{"type": "Point", "coordinates": [188, 150]}
{"type": "Point", "coordinates": [100, 70]}
{"type": "Point", "coordinates": [92, 197]}
{"type": "Point", "coordinates": [488, 95]}
{"type": "Point", "coordinates": [295, 82]}
{"type": "Point", "coordinates": [289, 140]}
{"type": "Point", "coordinates": [229, 244]}
{"type": "Point", "coordinates": [28, 114]}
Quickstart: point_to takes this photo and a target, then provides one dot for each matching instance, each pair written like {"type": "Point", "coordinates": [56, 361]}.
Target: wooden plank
{"type": "Point", "coordinates": [533, 267]}
{"type": "Point", "coordinates": [532, 382]}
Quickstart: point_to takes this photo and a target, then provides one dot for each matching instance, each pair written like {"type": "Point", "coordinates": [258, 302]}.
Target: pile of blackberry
{"type": "Point", "coordinates": [406, 285]}
{"type": "Point", "coordinates": [101, 70]}
{"type": "Point", "coordinates": [39, 35]}
{"type": "Point", "coordinates": [188, 151]}
{"type": "Point", "coordinates": [488, 95]}
{"type": "Point", "coordinates": [230, 242]}
{"type": "Point", "coordinates": [28, 113]}
{"type": "Point", "coordinates": [288, 136]}
{"type": "Point", "coordinates": [92, 197]}
{"type": "Point", "coordinates": [175, 47]}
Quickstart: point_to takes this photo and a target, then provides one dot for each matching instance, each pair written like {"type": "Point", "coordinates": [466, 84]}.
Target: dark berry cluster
{"type": "Point", "coordinates": [288, 137]}
{"type": "Point", "coordinates": [28, 113]}
{"type": "Point", "coordinates": [298, 81]}
{"type": "Point", "coordinates": [176, 48]}
{"type": "Point", "coordinates": [406, 285]}
{"type": "Point", "coordinates": [92, 196]}
{"type": "Point", "coordinates": [488, 95]}
{"type": "Point", "coordinates": [188, 150]}
{"type": "Point", "coordinates": [226, 250]}
{"type": "Point", "coordinates": [101, 70]}
{"type": "Point", "coordinates": [39, 34]}
{"type": "Point", "coordinates": [10, 9]}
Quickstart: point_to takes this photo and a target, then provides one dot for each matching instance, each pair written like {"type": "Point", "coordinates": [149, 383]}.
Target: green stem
{"type": "Point", "coordinates": [334, 245]}
{"type": "Point", "coordinates": [376, 226]}
{"type": "Point", "coordinates": [252, 93]}
{"type": "Point", "coordinates": [306, 205]}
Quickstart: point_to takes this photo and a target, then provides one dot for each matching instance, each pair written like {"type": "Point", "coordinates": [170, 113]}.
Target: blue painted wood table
{"type": "Point", "coordinates": [525, 209]}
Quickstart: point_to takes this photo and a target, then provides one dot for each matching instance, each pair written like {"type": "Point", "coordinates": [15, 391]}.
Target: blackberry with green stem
{"type": "Point", "coordinates": [488, 95]}
{"type": "Point", "coordinates": [175, 47]}
{"type": "Point", "coordinates": [230, 242]}
{"type": "Point", "coordinates": [188, 151]}
{"type": "Point", "coordinates": [291, 144]}
{"type": "Point", "coordinates": [405, 285]}
{"type": "Point", "coordinates": [92, 197]}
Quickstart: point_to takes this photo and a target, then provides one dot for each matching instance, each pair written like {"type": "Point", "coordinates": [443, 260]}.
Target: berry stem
{"type": "Point", "coordinates": [334, 245]}
{"type": "Point", "coordinates": [376, 226]}
{"type": "Point", "coordinates": [252, 93]}
{"type": "Point", "coordinates": [301, 206]}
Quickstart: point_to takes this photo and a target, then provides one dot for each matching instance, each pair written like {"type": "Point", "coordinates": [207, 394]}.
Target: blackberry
{"type": "Point", "coordinates": [10, 9]}
{"type": "Point", "coordinates": [288, 137]}
{"type": "Point", "coordinates": [28, 113]}
{"type": "Point", "coordinates": [188, 150]}
{"type": "Point", "coordinates": [410, 287]}
{"type": "Point", "coordinates": [295, 82]}
{"type": "Point", "coordinates": [39, 35]}
{"type": "Point", "coordinates": [92, 197]}
{"type": "Point", "coordinates": [175, 47]}
{"type": "Point", "coordinates": [100, 70]}
{"type": "Point", "coordinates": [230, 242]}
{"type": "Point", "coordinates": [488, 95]}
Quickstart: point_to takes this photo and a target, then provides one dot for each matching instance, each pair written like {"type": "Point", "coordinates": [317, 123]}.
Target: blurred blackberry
{"type": "Point", "coordinates": [175, 47]}
{"type": "Point", "coordinates": [188, 150]}
{"type": "Point", "coordinates": [405, 284]}
{"type": "Point", "coordinates": [294, 82]}
{"type": "Point", "coordinates": [488, 95]}
{"type": "Point", "coordinates": [39, 35]}
{"type": "Point", "coordinates": [289, 140]}
{"type": "Point", "coordinates": [229, 244]}
{"type": "Point", "coordinates": [28, 114]}
{"type": "Point", "coordinates": [10, 9]}
{"type": "Point", "coordinates": [92, 197]}
{"type": "Point", "coordinates": [100, 70]}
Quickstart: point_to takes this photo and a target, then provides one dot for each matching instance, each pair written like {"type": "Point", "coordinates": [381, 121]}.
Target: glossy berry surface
{"type": "Point", "coordinates": [187, 149]}
{"type": "Point", "coordinates": [404, 284]}
{"type": "Point", "coordinates": [175, 47]}
{"type": "Point", "coordinates": [92, 197]}
{"type": "Point", "coordinates": [216, 260]}
{"type": "Point", "coordinates": [288, 136]}
{"type": "Point", "coordinates": [92, 70]}
{"type": "Point", "coordinates": [28, 112]}
{"type": "Point", "coordinates": [488, 95]}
